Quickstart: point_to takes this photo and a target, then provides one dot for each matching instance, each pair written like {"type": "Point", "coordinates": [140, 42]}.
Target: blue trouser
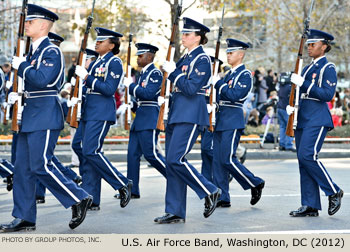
{"type": "Point", "coordinates": [285, 141]}
{"type": "Point", "coordinates": [143, 142]}
{"type": "Point", "coordinates": [180, 139]}
{"type": "Point", "coordinates": [67, 172]}
{"type": "Point", "coordinates": [95, 164]}
{"type": "Point", "coordinates": [207, 154]}
{"type": "Point", "coordinates": [14, 148]}
{"type": "Point", "coordinates": [313, 174]}
{"type": "Point", "coordinates": [6, 168]}
{"type": "Point", "coordinates": [225, 162]}
{"type": "Point", "coordinates": [34, 161]}
{"type": "Point", "coordinates": [77, 147]}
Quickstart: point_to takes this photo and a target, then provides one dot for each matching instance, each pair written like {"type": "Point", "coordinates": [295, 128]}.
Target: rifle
{"type": "Point", "coordinates": [165, 87]}
{"type": "Point", "coordinates": [294, 92]}
{"type": "Point", "coordinates": [127, 119]}
{"type": "Point", "coordinates": [7, 108]}
{"type": "Point", "coordinates": [17, 81]}
{"type": "Point", "coordinates": [75, 112]}
{"type": "Point", "coordinates": [212, 96]}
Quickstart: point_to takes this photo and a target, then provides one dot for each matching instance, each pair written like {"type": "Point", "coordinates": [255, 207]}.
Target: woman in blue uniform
{"type": "Point", "coordinates": [188, 115]}
{"type": "Point", "coordinates": [317, 84]}
{"type": "Point", "coordinates": [101, 80]}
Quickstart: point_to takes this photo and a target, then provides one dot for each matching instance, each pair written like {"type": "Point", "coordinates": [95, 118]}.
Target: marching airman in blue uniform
{"type": "Point", "coordinates": [317, 84]}
{"type": "Point", "coordinates": [101, 80]}
{"type": "Point", "coordinates": [232, 92]}
{"type": "Point", "coordinates": [143, 133]}
{"type": "Point", "coordinates": [188, 115]}
{"type": "Point", "coordinates": [66, 171]}
{"type": "Point", "coordinates": [42, 72]}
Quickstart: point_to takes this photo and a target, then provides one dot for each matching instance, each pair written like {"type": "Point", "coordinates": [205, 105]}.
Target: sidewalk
{"type": "Point", "coordinates": [117, 152]}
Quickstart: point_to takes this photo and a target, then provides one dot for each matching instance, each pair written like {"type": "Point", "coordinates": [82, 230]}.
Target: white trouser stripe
{"type": "Point", "coordinates": [6, 169]}
{"type": "Point", "coordinates": [154, 149]}
{"type": "Point", "coordinates": [319, 163]}
{"type": "Point", "coordinates": [231, 160]}
{"type": "Point", "coordinates": [53, 175]}
{"type": "Point", "coordinates": [186, 165]}
{"type": "Point", "coordinates": [101, 156]}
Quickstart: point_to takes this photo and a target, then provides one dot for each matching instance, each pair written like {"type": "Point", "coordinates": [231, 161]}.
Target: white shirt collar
{"type": "Point", "coordinates": [189, 52]}
{"type": "Point", "coordinates": [101, 57]}
{"type": "Point", "coordinates": [145, 67]}
{"type": "Point", "coordinates": [37, 42]}
{"type": "Point", "coordinates": [236, 67]}
{"type": "Point", "coordinates": [315, 60]}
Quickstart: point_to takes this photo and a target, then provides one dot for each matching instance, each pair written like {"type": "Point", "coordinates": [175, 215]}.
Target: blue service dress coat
{"type": "Point", "coordinates": [314, 120]}
{"type": "Point", "coordinates": [232, 91]}
{"type": "Point", "coordinates": [143, 134]}
{"type": "Point", "coordinates": [187, 117]}
{"type": "Point", "coordinates": [42, 120]}
{"type": "Point", "coordinates": [99, 113]}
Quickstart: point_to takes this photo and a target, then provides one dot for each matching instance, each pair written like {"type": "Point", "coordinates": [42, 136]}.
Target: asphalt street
{"type": "Point", "coordinates": [280, 195]}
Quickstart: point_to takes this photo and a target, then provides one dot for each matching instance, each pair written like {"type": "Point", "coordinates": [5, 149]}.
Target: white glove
{"type": "Point", "coordinates": [215, 79]}
{"type": "Point", "coordinates": [127, 81]}
{"type": "Point", "coordinates": [4, 104]}
{"type": "Point", "coordinates": [161, 100]}
{"type": "Point", "coordinates": [169, 66]}
{"type": "Point", "coordinates": [8, 84]}
{"type": "Point", "coordinates": [16, 61]}
{"type": "Point", "coordinates": [290, 109]}
{"type": "Point", "coordinates": [210, 108]}
{"type": "Point", "coordinates": [81, 72]}
{"type": "Point", "coordinates": [12, 98]}
{"type": "Point", "coordinates": [297, 79]}
{"type": "Point", "coordinates": [72, 102]}
{"type": "Point", "coordinates": [72, 81]}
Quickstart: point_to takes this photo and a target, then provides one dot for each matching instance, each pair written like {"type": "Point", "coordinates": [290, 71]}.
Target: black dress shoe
{"type": "Point", "coordinates": [79, 212]}
{"type": "Point", "coordinates": [17, 225]}
{"type": "Point", "coordinates": [169, 218]}
{"type": "Point", "coordinates": [256, 193]}
{"type": "Point", "coordinates": [282, 148]}
{"type": "Point", "coordinates": [125, 194]}
{"type": "Point", "coordinates": [77, 180]}
{"type": "Point", "coordinates": [335, 202]}
{"type": "Point", "coordinates": [243, 158]}
{"type": "Point", "coordinates": [40, 200]}
{"type": "Point", "coordinates": [222, 203]}
{"type": "Point", "coordinates": [94, 207]}
{"type": "Point", "coordinates": [133, 196]}
{"type": "Point", "coordinates": [9, 182]}
{"type": "Point", "coordinates": [210, 203]}
{"type": "Point", "coordinates": [304, 211]}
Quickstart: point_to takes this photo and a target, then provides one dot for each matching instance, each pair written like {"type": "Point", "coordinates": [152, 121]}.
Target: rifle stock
{"type": "Point", "coordinates": [19, 53]}
{"type": "Point", "coordinates": [165, 85]}
{"type": "Point", "coordinates": [75, 111]}
{"type": "Point", "coordinates": [127, 118]}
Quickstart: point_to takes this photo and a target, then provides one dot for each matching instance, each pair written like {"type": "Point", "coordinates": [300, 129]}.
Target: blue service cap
{"type": "Point", "coordinates": [103, 34]}
{"type": "Point", "coordinates": [144, 48]}
{"type": "Point", "coordinates": [234, 45]}
{"type": "Point", "coordinates": [317, 35]}
{"type": "Point", "coordinates": [35, 11]}
{"type": "Point", "coordinates": [212, 58]}
{"type": "Point", "coordinates": [91, 53]}
{"type": "Point", "coordinates": [53, 37]}
{"type": "Point", "coordinates": [191, 25]}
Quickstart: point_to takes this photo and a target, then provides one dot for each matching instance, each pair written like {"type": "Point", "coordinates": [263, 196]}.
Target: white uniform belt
{"type": "Point", "coordinates": [230, 104]}
{"type": "Point", "coordinates": [38, 94]}
{"type": "Point", "coordinates": [305, 96]}
{"type": "Point", "coordinates": [200, 92]}
{"type": "Point", "coordinates": [89, 91]}
{"type": "Point", "coordinates": [147, 103]}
